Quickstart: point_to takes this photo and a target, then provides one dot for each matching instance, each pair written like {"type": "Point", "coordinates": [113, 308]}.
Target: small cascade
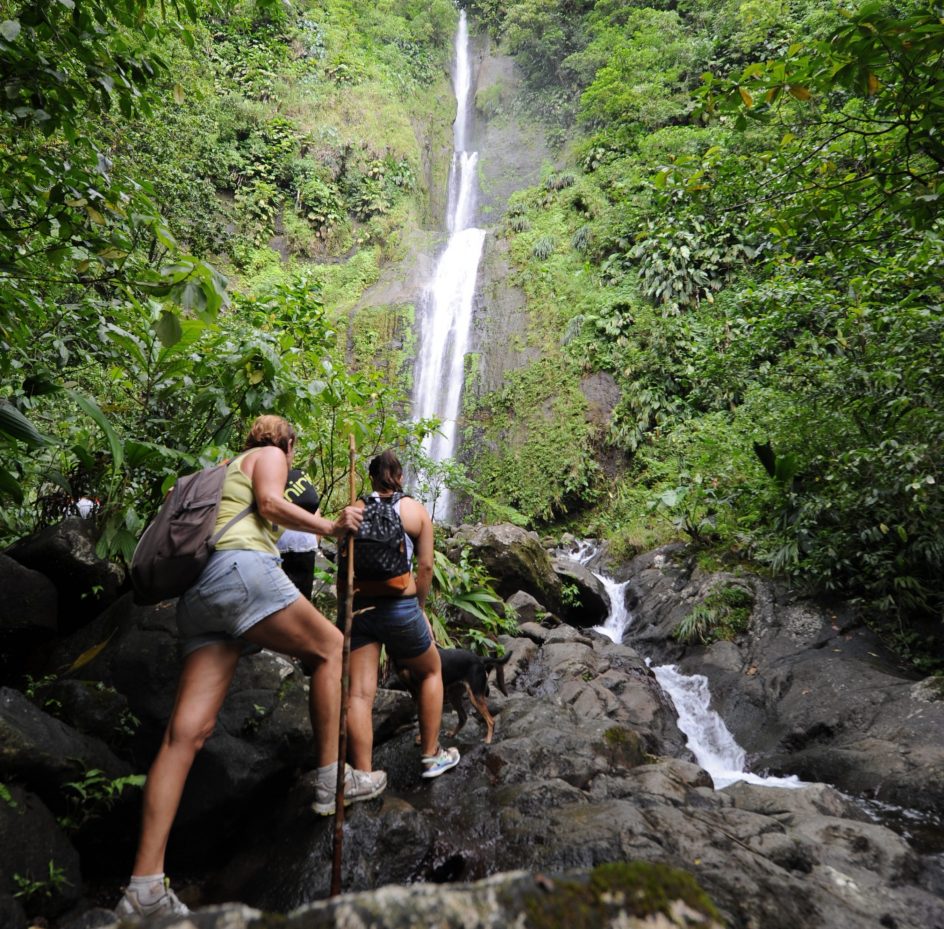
{"type": "Point", "coordinates": [445, 308]}
{"type": "Point", "coordinates": [708, 738]}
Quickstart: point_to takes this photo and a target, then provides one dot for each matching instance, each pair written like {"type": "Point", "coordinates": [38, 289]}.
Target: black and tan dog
{"type": "Point", "coordinates": [464, 672]}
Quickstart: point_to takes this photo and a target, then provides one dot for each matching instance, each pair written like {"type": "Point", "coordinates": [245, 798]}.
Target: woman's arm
{"type": "Point", "coordinates": [423, 549]}
{"type": "Point", "coordinates": [268, 470]}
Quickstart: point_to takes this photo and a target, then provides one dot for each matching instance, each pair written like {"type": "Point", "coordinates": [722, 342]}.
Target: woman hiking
{"type": "Point", "coordinates": [389, 612]}
{"type": "Point", "coordinates": [241, 603]}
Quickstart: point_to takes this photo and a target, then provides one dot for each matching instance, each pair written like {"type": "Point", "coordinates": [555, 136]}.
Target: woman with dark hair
{"type": "Point", "coordinates": [241, 603]}
{"type": "Point", "coordinates": [391, 613]}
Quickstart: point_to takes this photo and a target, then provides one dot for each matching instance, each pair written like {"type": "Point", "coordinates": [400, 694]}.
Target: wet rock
{"type": "Point", "coordinates": [807, 689]}
{"type": "Point", "coordinates": [526, 607]}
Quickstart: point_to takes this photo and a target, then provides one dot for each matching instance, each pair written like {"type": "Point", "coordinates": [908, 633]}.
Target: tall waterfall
{"type": "Point", "coordinates": [445, 308]}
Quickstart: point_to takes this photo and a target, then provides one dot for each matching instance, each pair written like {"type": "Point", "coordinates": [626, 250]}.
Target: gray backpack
{"type": "Point", "coordinates": [175, 547]}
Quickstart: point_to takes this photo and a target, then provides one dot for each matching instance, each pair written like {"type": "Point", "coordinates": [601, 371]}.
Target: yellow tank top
{"type": "Point", "coordinates": [252, 532]}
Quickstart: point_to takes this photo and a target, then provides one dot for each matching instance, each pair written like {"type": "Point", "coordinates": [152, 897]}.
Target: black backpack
{"type": "Point", "coordinates": [380, 543]}
{"type": "Point", "coordinates": [175, 547]}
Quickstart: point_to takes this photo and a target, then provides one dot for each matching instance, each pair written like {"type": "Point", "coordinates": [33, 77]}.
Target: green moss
{"type": "Point", "coordinates": [379, 340]}
{"type": "Point", "coordinates": [634, 888]}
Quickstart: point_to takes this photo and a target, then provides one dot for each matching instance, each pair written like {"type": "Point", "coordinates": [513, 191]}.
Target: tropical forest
{"type": "Point", "coordinates": [646, 296]}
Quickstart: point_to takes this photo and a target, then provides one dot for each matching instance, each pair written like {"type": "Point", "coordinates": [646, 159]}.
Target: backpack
{"type": "Point", "coordinates": [175, 547]}
{"type": "Point", "coordinates": [380, 547]}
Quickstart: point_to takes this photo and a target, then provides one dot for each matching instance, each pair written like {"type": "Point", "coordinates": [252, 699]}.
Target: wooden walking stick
{"type": "Point", "coordinates": [345, 690]}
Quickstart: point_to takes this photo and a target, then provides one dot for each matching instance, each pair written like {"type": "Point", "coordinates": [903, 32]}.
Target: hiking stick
{"type": "Point", "coordinates": [345, 689]}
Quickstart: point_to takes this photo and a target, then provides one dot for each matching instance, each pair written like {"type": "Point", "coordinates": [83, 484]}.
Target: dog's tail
{"type": "Point", "coordinates": [499, 665]}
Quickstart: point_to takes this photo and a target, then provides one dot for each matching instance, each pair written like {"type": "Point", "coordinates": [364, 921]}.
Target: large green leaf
{"type": "Point", "coordinates": [16, 425]}
{"type": "Point", "coordinates": [10, 486]}
{"type": "Point", "coordinates": [91, 409]}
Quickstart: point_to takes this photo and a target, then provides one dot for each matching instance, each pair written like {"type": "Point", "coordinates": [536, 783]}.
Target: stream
{"type": "Point", "coordinates": [715, 748]}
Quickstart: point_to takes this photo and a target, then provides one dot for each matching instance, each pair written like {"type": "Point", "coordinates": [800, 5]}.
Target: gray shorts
{"type": "Point", "coordinates": [236, 590]}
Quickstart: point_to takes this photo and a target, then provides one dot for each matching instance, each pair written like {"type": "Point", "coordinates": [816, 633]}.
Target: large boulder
{"type": "Point", "coordinates": [65, 553]}
{"type": "Point", "coordinates": [28, 618]}
{"type": "Point", "coordinates": [39, 750]}
{"type": "Point", "coordinates": [514, 558]}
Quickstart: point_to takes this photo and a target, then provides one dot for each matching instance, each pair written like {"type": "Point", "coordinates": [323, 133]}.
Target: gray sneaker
{"type": "Point", "coordinates": [358, 785]}
{"type": "Point", "coordinates": [441, 762]}
{"type": "Point", "coordinates": [167, 904]}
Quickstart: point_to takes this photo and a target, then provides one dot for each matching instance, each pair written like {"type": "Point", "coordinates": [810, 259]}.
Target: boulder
{"type": "Point", "coordinates": [45, 753]}
{"type": "Point", "coordinates": [65, 553]}
{"type": "Point", "coordinates": [527, 609]}
{"type": "Point", "coordinates": [588, 603]}
{"type": "Point", "coordinates": [39, 868]}
{"type": "Point", "coordinates": [514, 558]}
{"type": "Point", "coordinates": [28, 618]}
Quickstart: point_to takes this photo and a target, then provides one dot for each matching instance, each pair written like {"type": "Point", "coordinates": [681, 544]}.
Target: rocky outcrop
{"type": "Point", "coordinates": [586, 795]}
{"type": "Point", "coordinates": [807, 689]}
{"type": "Point", "coordinates": [516, 560]}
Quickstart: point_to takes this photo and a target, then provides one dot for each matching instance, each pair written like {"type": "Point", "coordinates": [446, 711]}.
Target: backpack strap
{"type": "Point", "coordinates": [242, 514]}
{"type": "Point", "coordinates": [229, 524]}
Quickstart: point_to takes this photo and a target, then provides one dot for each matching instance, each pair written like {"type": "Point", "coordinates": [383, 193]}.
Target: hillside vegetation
{"type": "Point", "coordinates": [746, 237]}
{"type": "Point", "coordinates": [193, 194]}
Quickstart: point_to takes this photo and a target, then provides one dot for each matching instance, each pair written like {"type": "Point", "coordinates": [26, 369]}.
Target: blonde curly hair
{"type": "Point", "coordinates": [271, 430]}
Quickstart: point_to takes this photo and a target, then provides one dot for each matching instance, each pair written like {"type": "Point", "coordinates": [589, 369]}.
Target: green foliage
{"type": "Point", "coordinates": [34, 890]}
{"type": "Point", "coordinates": [462, 596]}
{"type": "Point", "coordinates": [7, 797]}
{"type": "Point", "coordinates": [723, 615]}
{"type": "Point", "coordinates": [94, 794]}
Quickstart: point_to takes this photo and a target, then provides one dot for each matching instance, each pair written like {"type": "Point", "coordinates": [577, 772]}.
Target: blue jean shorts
{"type": "Point", "coordinates": [236, 590]}
{"type": "Point", "coordinates": [397, 623]}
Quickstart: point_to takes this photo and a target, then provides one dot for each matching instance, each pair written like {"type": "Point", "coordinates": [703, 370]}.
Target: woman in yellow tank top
{"type": "Point", "coordinates": [242, 602]}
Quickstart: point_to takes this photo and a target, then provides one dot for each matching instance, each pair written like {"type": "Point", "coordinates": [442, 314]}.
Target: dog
{"type": "Point", "coordinates": [464, 672]}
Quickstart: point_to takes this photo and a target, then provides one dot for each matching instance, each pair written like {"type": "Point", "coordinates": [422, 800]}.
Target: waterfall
{"type": "Point", "coordinates": [708, 738]}
{"type": "Point", "coordinates": [445, 307]}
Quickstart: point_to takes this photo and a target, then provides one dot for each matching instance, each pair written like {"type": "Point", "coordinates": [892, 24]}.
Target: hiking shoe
{"type": "Point", "coordinates": [165, 905]}
{"type": "Point", "coordinates": [358, 785]}
{"type": "Point", "coordinates": [441, 762]}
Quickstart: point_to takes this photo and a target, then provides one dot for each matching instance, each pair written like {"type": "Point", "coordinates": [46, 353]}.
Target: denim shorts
{"type": "Point", "coordinates": [397, 623]}
{"type": "Point", "coordinates": [236, 590]}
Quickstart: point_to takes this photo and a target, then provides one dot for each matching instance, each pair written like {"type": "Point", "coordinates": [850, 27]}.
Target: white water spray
{"type": "Point", "coordinates": [708, 738]}
{"type": "Point", "coordinates": [445, 308]}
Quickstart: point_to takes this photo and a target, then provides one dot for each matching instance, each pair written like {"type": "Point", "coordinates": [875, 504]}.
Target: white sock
{"type": "Point", "coordinates": [148, 888]}
{"type": "Point", "coordinates": [328, 774]}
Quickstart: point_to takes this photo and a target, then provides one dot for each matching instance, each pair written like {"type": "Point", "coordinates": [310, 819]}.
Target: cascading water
{"type": "Point", "coordinates": [446, 305]}
{"type": "Point", "coordinates": [708, 738]}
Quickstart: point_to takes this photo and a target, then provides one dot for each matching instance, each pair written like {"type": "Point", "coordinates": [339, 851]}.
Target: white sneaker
{"type": "Point", "coordinates": [358, 785]}
{"type": "Point", "coordinates": [167, 904]}
{"type": "Point", "coordinates": [441, 762]}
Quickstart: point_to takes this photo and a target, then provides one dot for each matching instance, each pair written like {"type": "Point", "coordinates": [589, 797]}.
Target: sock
{"type": "Point", "coordinates": [148, 888]}
{"type": "Point", "coordinates": [328, 774]}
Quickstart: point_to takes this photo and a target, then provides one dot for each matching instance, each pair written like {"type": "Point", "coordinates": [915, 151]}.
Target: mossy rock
{"type": "Point", "coordinates": [618, 894]}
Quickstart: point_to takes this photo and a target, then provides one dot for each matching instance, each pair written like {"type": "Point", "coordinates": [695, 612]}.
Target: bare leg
{"type": "Point", "coordinates": [301, 631]}
{"type": "Point", "coordinates": [204, 680]}
{"type": "Point", "coordinates": [427, 672]}
{"type": "Point", "coordinates": [360, 727]}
